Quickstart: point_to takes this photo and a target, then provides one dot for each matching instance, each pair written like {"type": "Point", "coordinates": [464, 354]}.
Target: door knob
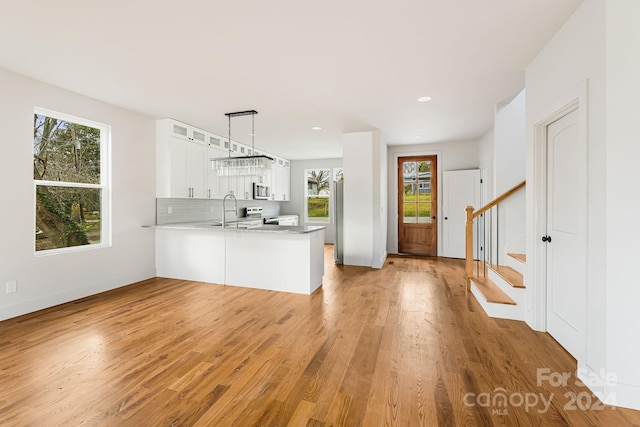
{"type": "Point", "coordinates": [433, 217]}
{"type": "Point", "coordinates": [546, 239]}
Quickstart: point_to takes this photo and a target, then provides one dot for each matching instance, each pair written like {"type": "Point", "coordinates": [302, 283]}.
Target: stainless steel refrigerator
{"type": "Point", "coordinates": [338, 214]}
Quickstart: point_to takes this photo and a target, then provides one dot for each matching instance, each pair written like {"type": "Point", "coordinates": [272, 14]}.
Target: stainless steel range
{"type": "Point", "coordinates": [254, 212]}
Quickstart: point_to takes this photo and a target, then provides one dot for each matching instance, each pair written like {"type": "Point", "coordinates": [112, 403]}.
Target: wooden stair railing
{"type": "Point", "coordinates": [471, 215]}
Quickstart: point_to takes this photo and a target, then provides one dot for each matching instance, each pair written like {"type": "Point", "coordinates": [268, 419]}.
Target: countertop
{"type": "Point", "coordinates": [232, 226]}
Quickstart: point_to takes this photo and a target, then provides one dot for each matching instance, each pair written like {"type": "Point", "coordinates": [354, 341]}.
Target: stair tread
{"type": "Point", "coordinates": [510, 275]}
{"type": "Point", "coordinates": [520, 257]}
{"type": "Point", "coordinates": [491, 292]}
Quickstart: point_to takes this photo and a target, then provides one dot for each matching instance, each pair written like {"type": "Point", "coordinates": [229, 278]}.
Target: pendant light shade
{"type": "Point", "coordinates": [246, 165]}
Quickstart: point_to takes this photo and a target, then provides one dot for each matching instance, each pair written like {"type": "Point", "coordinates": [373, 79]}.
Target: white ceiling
{"type": "Point", "coordinates": [343, 65]}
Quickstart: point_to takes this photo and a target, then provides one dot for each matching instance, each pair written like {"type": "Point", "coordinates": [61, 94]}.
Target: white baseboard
{"type": "Point", "coordinates": [47, 301]}
{"type": "Point", "coordinates": [380, 263]}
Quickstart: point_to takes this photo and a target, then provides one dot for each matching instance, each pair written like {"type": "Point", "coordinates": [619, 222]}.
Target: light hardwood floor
{"type": "Point", "coordinates": [402, 346]}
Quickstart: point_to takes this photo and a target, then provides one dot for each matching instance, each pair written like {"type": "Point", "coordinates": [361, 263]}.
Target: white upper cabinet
{"type": "Point", "coordinates": [197, 170]}
{"type": "Point", "coordinates": [181, 160]}
{"type": "Point", "coordinates": [186, 132]}
{"type": "Point", "coordinates": [281, 180]}
{"type": "Point", "coordinates": [177, 172]}
{"type": "Point", "coordinates": [214, 182]}
{"type": "Point", "coordinates": [183, 166]}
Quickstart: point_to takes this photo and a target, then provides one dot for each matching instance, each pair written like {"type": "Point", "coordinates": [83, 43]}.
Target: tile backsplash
{"type": "Point", "coordinates": [193, 210]}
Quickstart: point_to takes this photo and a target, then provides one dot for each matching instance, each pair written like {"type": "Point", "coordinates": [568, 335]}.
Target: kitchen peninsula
{"type": "Point", "coordinates": [272, 257]}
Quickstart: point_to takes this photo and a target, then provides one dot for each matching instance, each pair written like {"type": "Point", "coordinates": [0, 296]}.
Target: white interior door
{"type": "Point", "coordinates": [461, 189]}
{"type": "Point", "coordinates": [566, 227]}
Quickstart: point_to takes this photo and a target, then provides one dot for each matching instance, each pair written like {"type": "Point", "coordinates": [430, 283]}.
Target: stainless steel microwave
{"type": "Point", "coordinates": [261, 192]}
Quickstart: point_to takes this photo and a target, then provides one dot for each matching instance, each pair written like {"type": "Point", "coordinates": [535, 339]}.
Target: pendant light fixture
{"type": "Point", "coordinates": [242, 166]}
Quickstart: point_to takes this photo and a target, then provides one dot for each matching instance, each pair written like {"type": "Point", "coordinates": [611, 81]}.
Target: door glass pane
{"type": "Point", "coordinates": [424, 182]}
{"type": "Point", "coordinates": [424, 213]}
{"type": "Point", "coordinates": [409, 170]}
{"type": "Point", "coordinates": [424, 191]}
{"type": "Point", "coordinates": [409, 182]}
{"type": "Point", "coordinates": [409, 213]}
{"type": "Point", "coordinates": [409, 192]}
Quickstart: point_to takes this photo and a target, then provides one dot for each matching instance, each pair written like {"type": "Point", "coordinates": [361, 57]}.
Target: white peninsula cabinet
{"type": "Point", "coordinates": [286, 259]}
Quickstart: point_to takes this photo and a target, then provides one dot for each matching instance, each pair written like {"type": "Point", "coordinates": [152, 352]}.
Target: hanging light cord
{"type": "Point", "coordinates": [229, 137]}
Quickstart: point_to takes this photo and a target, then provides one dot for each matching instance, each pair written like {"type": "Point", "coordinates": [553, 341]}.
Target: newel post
{"type": "Point", "coordinates": [469, 245]}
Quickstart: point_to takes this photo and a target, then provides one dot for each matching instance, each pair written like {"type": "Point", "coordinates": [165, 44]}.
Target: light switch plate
{"type": "Point", "coordinates": [12, 287]}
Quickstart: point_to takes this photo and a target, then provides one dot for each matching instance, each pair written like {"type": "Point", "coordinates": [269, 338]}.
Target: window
{"type": "Point", "coordinates": [416, 200]}
{"type": "Point", "coordinates": [317, 195]}
{"type": "Point", "coordinates": [338, 175]}
{"type": "Point", "coordinates": [70, 175]}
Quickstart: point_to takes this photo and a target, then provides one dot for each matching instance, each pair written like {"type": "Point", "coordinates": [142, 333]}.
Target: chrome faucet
{"type": "Point", "coordinates": [225, 210]}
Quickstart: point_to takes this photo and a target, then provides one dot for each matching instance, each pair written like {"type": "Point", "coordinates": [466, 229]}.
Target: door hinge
{"type": "Point", "coordinates": [480, 180]}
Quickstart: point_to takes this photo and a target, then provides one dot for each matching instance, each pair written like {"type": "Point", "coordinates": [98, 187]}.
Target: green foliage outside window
{"type": "Point", "coordinates": [66, 170]}
{"type": "Point", "coordinates": [318, 192]}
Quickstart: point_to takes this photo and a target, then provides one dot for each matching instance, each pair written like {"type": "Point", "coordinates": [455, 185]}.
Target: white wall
{"type": "Point", "coordinates": [380, 202]}
{"type": "Point", "coordinates": [574, 55]}
{"type": "Point", "coordinates": [485, 162]}
{"type": "Point", "coordinates": [451, 156]}
{"type": "Point", "coordinates": [44, 281]}
{"type": "Point", "coordinates": [509, 144]}
{"type": "Point", "coordinates": [622, 203]}
{"type": "Point", "coordinates": [298, 183]}
{"type": "Point", "coordinates": [364, 201]}
{"type": "Point", "coordinates": [509, 151]}
{"type": "Point", "coordinates": [597, 47]}
{"type": "Point", "coordinates": [485, 148]}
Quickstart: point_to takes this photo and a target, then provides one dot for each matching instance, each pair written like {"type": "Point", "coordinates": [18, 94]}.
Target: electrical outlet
{"type": "Point", "coordinates": [169, 210]}
{"type": "Point", "coordinates": [12, 286]}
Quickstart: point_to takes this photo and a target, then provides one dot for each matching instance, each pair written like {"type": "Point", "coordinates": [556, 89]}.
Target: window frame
{"type": "Point", "coordinates": [104, 186]}
{"type": "Point", "coordinates": [329, 197]}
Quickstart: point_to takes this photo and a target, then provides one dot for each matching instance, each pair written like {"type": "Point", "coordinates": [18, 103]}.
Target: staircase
{"type": "Point", "coordinates": [498, 287]}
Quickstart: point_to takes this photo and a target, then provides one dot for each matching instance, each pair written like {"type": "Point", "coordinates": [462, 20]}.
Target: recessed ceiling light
{"type": "Point", "coordinates": [424, 99]}
{"type": "Point", "coordinates": [316, 128]}
{"type": "Point", "coordinates": [418, 136]}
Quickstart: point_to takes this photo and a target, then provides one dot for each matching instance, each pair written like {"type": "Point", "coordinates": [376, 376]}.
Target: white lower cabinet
{"type": "Point", "coordinates": [278, 261]}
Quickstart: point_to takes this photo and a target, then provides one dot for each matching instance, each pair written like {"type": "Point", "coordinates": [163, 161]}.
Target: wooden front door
{"type": "Point", "coordinates": [417, 205]}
